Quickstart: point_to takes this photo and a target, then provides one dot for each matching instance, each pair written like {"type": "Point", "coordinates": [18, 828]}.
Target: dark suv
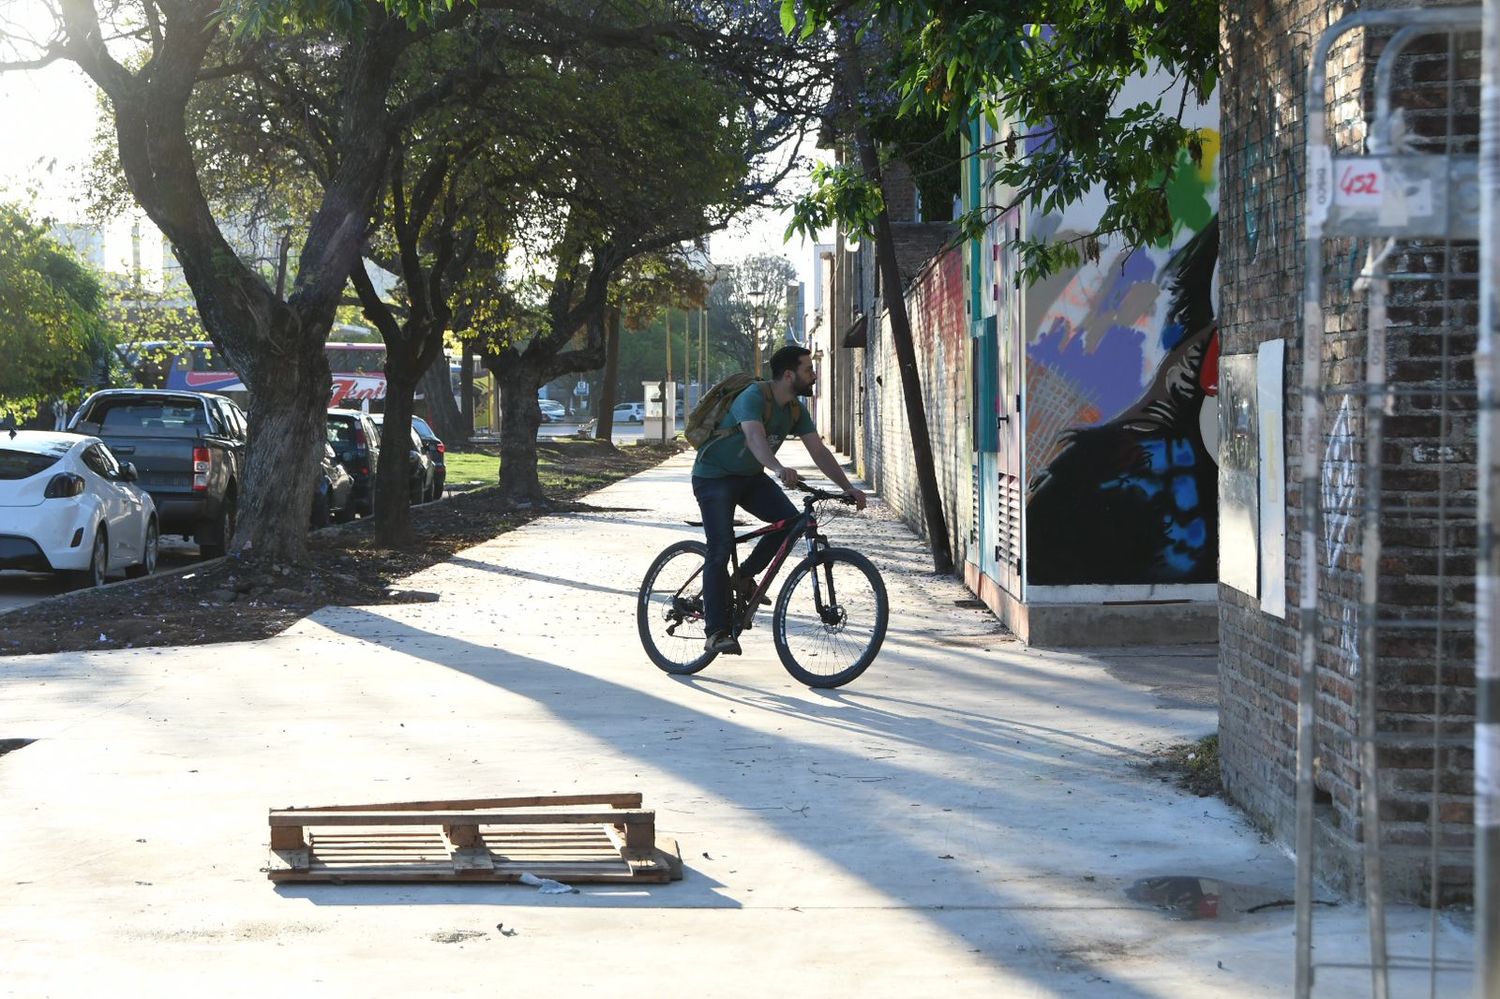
{"type": "Point", "coordinates": [422, 467]}
{"type": "Point", "coordinates": [437, 452]}
{"type": "Point", "coordinates": [189, 448]}
{"type": "Point", "coordinates": [355, 440]}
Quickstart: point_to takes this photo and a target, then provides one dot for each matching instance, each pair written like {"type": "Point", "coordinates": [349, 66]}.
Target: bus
{"type": "Point", "coordinates": [358, 370]}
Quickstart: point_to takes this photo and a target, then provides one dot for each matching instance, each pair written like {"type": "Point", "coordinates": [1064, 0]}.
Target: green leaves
{"type": "Point", "coordinates": [841, 193]}
{"type": "Point", "coordinates": [52, 333]}
{"type": "Point", "coordinates": [1053, 71]}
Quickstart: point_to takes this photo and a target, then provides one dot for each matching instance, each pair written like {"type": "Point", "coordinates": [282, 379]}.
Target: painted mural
{"type": "Point", "coordinates": [1121, 385]}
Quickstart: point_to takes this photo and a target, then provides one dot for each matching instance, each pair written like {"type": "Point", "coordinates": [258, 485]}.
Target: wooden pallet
{"type": "Point", "coordinates": [592, 838]}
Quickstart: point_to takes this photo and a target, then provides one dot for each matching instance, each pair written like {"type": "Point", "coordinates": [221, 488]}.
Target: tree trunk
{"type": "Point", "coordinates": [393, 474]}
{"type": "Point", "coordinates": [287, 416]}
{"type": "Point", "coordinates": [443, 412]}
{"type": "Point", "coordinates": [895, 302]}
{"type": "Point", "coordinates": [520, 417]}
{"type": "Point", "coordinates": [604, 428]}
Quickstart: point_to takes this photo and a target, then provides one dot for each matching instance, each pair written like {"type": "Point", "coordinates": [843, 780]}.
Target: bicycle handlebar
{"type": "Point", "coordinates": [817, 495]}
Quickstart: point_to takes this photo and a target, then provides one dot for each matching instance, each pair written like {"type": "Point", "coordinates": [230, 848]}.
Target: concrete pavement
{"type": "Point", "coordinates": [965, 819]}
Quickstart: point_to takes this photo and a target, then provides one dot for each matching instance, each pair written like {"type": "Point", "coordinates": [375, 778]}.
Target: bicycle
{"type": "Point", "coordinates": [828, 622]}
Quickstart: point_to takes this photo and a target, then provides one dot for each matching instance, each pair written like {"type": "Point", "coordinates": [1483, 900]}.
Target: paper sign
{"type": "Point", "coordinates": [1359, 183]}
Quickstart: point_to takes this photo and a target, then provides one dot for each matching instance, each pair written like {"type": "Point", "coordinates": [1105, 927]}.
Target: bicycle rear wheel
{"type": "Point", "coordinates": [831, 617]}
{"type": "Point", "coordinates": [669, 611]}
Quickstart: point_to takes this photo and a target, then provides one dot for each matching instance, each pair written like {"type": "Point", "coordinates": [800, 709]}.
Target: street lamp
{"type": "Point", "coordinates": [757, 296]}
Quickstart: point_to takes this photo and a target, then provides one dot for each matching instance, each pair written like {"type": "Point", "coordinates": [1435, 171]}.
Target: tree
{"type": "Point", "coordinates": [1053, 71]}
{"type": "Point", "coordinates": [756, 304]}
{"type": "Point", "coordinates": [642, 174]}
{"type": "Point", "coordinates": [648, 288]}
{"type": "Point", "coordinates": [150, 58]}
{"type": "Point", "coordinates": [54, 335]}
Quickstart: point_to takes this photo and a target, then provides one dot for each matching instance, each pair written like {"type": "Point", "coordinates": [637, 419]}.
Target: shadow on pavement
{"type": "Point", "coordinates": [893, 846]}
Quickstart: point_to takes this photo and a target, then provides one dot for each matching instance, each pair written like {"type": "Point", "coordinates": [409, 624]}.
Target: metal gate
{"type": "Point", "coordinates": [1388, 466]}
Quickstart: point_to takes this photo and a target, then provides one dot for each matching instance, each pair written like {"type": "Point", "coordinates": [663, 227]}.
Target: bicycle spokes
{"type": "Point", "coordinates": [669, 611]}
{"type": "Point", "coordinates": [831, 618]}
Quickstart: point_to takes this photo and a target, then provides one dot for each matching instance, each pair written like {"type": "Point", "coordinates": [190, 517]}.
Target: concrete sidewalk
{"type": "Point", "coordinates": [965, 819]}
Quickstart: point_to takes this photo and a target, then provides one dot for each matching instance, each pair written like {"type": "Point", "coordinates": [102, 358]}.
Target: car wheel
{"type": "Point", "coordinates": [98, 562]}
{"type": "Point", "coordinates": [150, 552]}
{"type": "Point", "coordinates": [221, 533]}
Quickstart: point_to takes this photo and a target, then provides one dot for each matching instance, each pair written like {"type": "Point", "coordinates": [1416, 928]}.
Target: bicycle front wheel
{"type": "Point", "coordinates": [830, 618]}
{"type": "Point", "coordinates": [669, 611]}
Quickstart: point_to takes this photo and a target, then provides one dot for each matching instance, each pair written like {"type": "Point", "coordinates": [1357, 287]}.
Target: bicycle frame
{"type": "Point", "coordinates": [804, 525]}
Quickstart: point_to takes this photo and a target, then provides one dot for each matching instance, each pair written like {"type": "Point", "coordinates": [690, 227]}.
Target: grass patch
{"type": "Point", "coordinates": [472, 466]}
{"type": "Point", "coordinates": [1192, 766]}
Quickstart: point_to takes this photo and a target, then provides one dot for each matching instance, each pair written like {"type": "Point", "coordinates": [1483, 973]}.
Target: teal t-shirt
{"type": "Point", "coordinates": [729, 455]}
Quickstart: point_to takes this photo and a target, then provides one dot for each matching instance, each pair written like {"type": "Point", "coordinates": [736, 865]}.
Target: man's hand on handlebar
{"type": "Point", "coordinates": [789, 477]}
{"type": "Point", "coordinates": [855, 496]}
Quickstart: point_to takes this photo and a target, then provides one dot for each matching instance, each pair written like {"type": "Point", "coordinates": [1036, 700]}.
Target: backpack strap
{"type": "Point", "coordinates": [769, 401]}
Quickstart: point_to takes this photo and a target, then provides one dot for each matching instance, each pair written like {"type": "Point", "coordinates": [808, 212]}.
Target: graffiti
{"type": "Point", "coordinates": [1128, 495]}
{"type": "Point", "coordinates": [1258, 208]}
{"type": "Point", "coordinates": [1339, 493]}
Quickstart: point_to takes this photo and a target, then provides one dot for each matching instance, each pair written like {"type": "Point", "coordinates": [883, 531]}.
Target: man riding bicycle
{"type": "Point", "coordinates": [731, 471]}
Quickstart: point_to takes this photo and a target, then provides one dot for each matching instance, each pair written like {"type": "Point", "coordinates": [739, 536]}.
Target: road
{"type": "Point", "coordinates": [624, 433]}
{"type": "Point", "coordinates": [17, 589]}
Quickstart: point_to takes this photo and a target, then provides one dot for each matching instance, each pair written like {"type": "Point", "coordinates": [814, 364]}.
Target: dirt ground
{"type": "Point", "coordinates": [231, 599]}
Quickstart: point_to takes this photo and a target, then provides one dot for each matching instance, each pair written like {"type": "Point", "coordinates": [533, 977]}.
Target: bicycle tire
{"type": "Point", "coordinates": [658, 607]}
{"type": "Point", "coordinates": [815, 635]}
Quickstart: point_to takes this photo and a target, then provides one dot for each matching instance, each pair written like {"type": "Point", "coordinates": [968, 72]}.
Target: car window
{"type": "Point", "coordinates": [340, 434]}
{"type": "Point", "coordinates": [149, 417]}
{"type": "Point", "coordinates": [421, 427]}
{"type": "Point", "coordinates": [110, 461]}
{"type": "Point", "coordinates": [100, 461]}
{"type": "Point", "coordinates": [217, 421]}
{"type": "Point", "coordinates": [233, 420]}
{"type": "Point", "coordinates": [16, 464]}
{"type": "Point", "coordinates": [372, 431]}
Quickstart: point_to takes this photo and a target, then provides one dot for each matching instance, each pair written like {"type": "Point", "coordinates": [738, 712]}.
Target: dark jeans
{"type": "Point", "coordinates": [759, 496]}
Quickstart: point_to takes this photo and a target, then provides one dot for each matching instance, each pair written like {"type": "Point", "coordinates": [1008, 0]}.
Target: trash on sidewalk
{"type": "Point", "coordinates": [597, 838]}
{"type": "Point", "coordinates": [546, 886]}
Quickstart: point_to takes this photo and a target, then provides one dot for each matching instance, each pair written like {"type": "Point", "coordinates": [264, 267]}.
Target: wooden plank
{"type": "Point", "coordinates": [634, 856]}
{"type": "Point", "coordinates": [464, 835]}
{"type": "Point", "coordinates": [640, 833]}
{"type": "Point", "coordinates": [466, 849]}
{"type": "Point", "coordinates": [628, 800]}
{"type": "Point", "coordinates": [566, 837]}
{"type": "Point", "coordinates": [280, 818]}
{"type": "Point", "coordinates": [287, 837]}
{"type": "Point", "coordinates": [291, 860]}
{"type": "Point", "coordinates": [441, 876]}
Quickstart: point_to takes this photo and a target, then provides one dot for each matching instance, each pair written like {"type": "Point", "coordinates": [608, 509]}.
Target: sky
{"type": "Point", "coordinates": [47, 119]}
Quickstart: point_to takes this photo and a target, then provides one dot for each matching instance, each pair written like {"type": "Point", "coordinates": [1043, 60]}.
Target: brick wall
{"type": "Point", "coordinates": [1428, 455]}
{"type": "Point", "coordinates": [935, 303]}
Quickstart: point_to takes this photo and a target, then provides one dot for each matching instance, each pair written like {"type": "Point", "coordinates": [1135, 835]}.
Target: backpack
{"type": "Point", "coordinates": [702, 426]}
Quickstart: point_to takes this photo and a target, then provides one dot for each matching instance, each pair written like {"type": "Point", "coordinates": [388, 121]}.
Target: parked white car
{"type": "Point", "coordinates": [67, 505]}
{"type": "Point", "coordinates": [630, 412]}
{"type": "Point", "coordinates": [552, 410]}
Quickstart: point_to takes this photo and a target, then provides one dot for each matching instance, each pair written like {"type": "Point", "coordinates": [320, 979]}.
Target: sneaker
{"type": "Point", "coordinates": [744, 588]}
{"type": "Point", "coordinates": [722, 642]}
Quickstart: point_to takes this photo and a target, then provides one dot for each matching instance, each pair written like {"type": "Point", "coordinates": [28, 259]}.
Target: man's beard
{"type": "Point", "coordinates": [803, 389]}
